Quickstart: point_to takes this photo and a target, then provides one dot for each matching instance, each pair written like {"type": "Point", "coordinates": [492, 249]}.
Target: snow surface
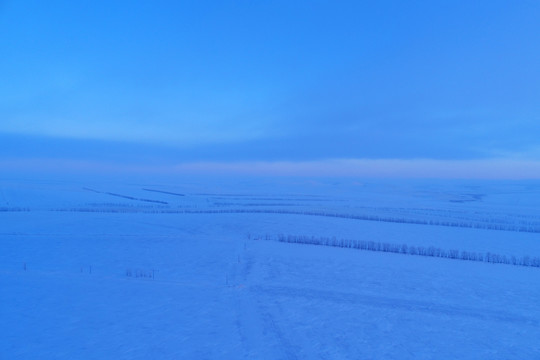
{"type": "Point", "coordinates": [93, 270]}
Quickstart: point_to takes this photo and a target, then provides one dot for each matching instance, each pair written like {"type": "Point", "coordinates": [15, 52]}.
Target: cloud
{"type": "Point", "coordinates": [195, 131]}
{"type": "Point", "coordinates": [274, 82]}
{"type": "Point", "coordinates": [360, 168]}
{"type": "Point", "coordinates": [377, 168]}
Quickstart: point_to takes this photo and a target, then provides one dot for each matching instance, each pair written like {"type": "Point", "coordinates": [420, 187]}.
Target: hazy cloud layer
{"type": "Point", "coordinates": [258, 81]}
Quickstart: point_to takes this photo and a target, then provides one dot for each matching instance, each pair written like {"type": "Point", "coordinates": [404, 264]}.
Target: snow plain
{"type": "Point", "coordinates": [189, 269]}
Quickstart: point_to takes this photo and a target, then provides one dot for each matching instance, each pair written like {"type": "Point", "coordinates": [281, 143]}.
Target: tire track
{"type": "Point", "coordinates": [394, 303]}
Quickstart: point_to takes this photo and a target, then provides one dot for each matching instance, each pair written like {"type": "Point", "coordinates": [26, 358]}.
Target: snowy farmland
{"type": "Point", "coordinates": [265, 269]}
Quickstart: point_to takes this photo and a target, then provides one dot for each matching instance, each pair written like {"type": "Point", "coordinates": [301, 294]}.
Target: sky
{"type": "Point", "coordinates": [433, 86]}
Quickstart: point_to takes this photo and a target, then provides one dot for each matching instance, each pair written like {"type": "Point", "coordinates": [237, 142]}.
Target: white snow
{"type": "Point", "coordinates": [90, 275]}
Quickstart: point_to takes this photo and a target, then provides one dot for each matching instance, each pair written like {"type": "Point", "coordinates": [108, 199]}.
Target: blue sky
{"type": "Point", "coordinates": [175, 82]}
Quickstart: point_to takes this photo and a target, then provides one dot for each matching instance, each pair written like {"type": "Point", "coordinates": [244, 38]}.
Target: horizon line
{"type": "Point", "coordinates": [493, 168]}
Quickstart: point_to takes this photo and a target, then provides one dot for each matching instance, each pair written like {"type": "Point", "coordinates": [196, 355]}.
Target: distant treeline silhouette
{"type": "Point", "coordinates": [126, 196]}
{"type": "Point", "coordinates": [164, 192]}
{"type": "Point", "coordinates": [495, 225]}
{"type": "Point", "coordinates": [13, 209]}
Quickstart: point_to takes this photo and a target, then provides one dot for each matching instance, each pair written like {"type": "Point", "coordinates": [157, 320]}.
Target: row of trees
{"type": "Point", "coordinates": [532, 228]}
{"type": "Point", "coordinates": [407, 249]}
{"type": "Point", "coordinates": [13, 209]}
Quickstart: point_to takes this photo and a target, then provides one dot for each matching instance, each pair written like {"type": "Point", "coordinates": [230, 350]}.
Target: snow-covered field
{"type": "Point", "coordinates": [191, 269]}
